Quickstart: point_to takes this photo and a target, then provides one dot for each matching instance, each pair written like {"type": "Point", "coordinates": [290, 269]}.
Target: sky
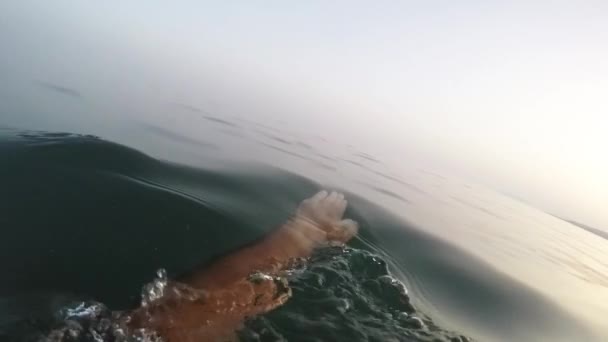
{"type": "Point", "coordinates": [513, 94]}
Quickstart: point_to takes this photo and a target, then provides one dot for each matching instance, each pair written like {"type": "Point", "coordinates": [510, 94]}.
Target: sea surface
{"type": "Point", "coordinates": [90, 213]}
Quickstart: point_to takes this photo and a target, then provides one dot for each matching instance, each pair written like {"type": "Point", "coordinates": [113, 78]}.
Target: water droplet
{"type": "Point", "coordinates": [161, 274]}
{"type": "Point", "coordinates": [156, 289]}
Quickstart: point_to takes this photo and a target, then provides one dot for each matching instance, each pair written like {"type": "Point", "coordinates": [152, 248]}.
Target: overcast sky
{"type": "Point", "coordinates": [511, 93]}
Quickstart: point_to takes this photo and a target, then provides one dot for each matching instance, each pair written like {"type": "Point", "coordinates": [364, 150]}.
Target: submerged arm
{"type": "Point", "coordinates": [213, 302]}
{"type": "Point", "coordinates": [317, 222]}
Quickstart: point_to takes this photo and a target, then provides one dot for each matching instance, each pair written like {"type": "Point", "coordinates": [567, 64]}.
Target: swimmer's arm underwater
{"type": "Point", "coordinates": [317, 222]}
{"type": "Point", "coordinates": [221, 296]}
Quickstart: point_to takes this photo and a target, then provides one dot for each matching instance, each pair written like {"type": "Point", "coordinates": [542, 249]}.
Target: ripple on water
{"type": "Point", "coordinates": [345, 294]}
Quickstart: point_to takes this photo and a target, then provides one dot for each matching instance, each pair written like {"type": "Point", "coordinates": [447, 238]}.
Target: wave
{"type": "Point", "coordinates": [86, 216]}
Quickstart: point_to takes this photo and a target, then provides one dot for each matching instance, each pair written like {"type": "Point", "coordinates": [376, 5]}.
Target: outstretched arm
{"type": "Point", "coordinates": [213, 302]}
{"type": "Point", "coordinates": [317, 222]}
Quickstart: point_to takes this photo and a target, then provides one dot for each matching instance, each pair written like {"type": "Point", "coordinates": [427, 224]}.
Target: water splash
{"type": "Point", "coordinates": [155, 290]}
{"type": "Point", "coordinates": [345, 294]}
{"type": "Point", "coordinates": [91, 321]}
{"type": "Point", "coordinates": [340, 293]}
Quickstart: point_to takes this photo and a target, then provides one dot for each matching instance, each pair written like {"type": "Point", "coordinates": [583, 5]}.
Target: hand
{"type": "Point", "coordinates": [325, 210]}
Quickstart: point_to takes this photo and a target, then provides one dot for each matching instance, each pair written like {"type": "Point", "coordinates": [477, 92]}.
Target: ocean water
{"type": "Point", "coordinates": [90, 214]}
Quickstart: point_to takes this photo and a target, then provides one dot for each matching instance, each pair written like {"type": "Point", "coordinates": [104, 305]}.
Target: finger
{"type": "Point", "coordinates": [341, 208]}
{"type": "Point", "coordinates": [319, 196]}
{"type": "Point", "coordinates": [332, 198]}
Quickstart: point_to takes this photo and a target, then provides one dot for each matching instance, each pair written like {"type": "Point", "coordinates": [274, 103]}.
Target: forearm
{"type": "Point", "coordinates": [296, 238]}
{"type": "Point", "coordinates": [223, 294]}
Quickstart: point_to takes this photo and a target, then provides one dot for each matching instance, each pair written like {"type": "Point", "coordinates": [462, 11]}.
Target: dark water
{"type": "Point", "coordinates": [87, 219]}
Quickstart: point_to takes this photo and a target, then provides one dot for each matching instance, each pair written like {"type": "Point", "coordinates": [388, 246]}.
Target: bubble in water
{"type": "Point", "coordinates": [415, 322]}
{"type": "Point", "coordinates": [259, 277]}
{"type": "Point", "coordinates": [389, 280]}
{"type": "Point", "coordinates": [343, 305]}
{"type": "Point", "coordinates": [403, 316]}
{"type": "Point", "coordinates": [161, 273]}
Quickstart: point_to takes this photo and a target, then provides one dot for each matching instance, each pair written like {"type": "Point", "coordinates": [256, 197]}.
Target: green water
{"type": "Point", "coordinates": [85, 218]}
